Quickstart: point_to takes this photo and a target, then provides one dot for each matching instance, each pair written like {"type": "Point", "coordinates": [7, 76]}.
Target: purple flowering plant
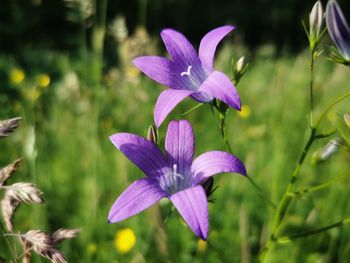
{"type": "Point", "coordinates": [188, 73]}
{"type": "Point", "coordinates": [174, 175]}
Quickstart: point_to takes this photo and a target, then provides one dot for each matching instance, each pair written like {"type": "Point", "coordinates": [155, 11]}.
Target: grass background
{"type": "Point", "coordinates": [63, 138]}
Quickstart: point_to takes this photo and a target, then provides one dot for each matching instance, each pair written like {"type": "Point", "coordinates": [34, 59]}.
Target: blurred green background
{"type": "Point", "coordinates": [65, 68]}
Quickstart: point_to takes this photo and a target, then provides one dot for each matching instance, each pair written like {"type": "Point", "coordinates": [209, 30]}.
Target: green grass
{"type": "Point", "coordinates": [82, 173]}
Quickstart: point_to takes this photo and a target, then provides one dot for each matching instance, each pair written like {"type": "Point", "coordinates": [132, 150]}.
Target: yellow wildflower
{"type": "Point", "coordinates": [245, 112]}
{"type": "Point", "coordinates": [43, 80]}
{"type": "Point", "coordinates": [202, 245]}
{"type": "Point", "coordinates": [16, 76]}
{"type": "Point", "coordinates": [91, 248]}
{"type": "Point", "coordinates": [124, 240]}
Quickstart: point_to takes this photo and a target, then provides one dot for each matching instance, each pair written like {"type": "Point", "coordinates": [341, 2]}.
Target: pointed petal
{"type": "Point", "coordinates": [145, 154]}
{"type": "Point", "coordinates": [209, 43]}
{"type": "Point", "coordinates": [214, 162]}
{"type": "Point", "coordinates": [166, 102]}
{"type": "Point", "coordinates": [180, 49]}
{"type": "Point", "coordinates": [157, 68]}
{"type": "Point", "coordinates": [137, 197]}
{"type": "Point", "coordinates": [192, 205]}
{"type": "Point", "coordinates": [220, 86]}
{"type": "Point", "coordinates": [179, 146]}
{"type": "Point", "coordinates": [338, 28]}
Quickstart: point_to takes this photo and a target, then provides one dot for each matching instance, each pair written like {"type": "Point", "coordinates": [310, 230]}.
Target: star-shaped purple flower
{"type": "Point", "coordinates": [174, 175]}
{"type": "Point", "coordinates": [187, 73]}
{"type": "Point", "coordinates": [338, 30]}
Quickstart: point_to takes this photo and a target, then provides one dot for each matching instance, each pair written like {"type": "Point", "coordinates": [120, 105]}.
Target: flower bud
{"type": "Point", "coordinates": [339, 32]}
{"type": "Point", "coordinates": [315, 24]}
{"type": "Point", "coordinates": [152, 134]}
{"type": "Point", "coordinates": [240, 65]}
{"type": "Point", "coordinates": [327, 151]}
{"type": "Point", "coordinates": [239, 68]}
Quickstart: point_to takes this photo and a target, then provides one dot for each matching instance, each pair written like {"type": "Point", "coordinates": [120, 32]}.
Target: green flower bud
{"type": "Point", "coordinates": [315, 24]}
{"type": "Point", "coordinates": [152, 134]}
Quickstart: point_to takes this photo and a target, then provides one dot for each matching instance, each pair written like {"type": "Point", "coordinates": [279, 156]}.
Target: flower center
{"type": "Point", "coordinates": [173, 181]}
{"type": "Point", "coordinates": [195, 81]}
{"type": "Point", "coordinates": [187, 73]}
{"type": "Point", "coordinates": [175, 174]}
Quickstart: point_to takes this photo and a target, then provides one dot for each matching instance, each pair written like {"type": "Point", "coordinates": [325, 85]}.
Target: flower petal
{"type": "Point", "coordinates": [180, 49]}
{"type": "Point", "coordinates": [179, 146]}
{"type": "Point", "coordinates": [145, 154]}
{"type": "Point", "coordinates": [220, 86]}
{"type": "Point", "coordinates": [137, 197]}
{"type": "Point", "coordinates": [209, 43]}
{"type": "Point", "coordinates": [214, 162]}
{"type": "Point", "coordinates": [166, 102]}
{"type": "Point", "coordinates": [338, 28]}
{"type": "Point", "coordinates": [193, 207]}
{"type": "Point", "coordinates": [157, 68]}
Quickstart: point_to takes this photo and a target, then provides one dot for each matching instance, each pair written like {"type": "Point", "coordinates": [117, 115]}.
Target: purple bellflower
{"type": "Point", "coordinates": [174, 175]}
{"type": "Point", "coordinates": [339, 31]}
{"type": "Point", "coordinates": [188, 73]}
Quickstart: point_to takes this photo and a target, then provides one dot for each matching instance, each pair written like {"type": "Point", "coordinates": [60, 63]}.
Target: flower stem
{"type": "Point", "coordinates": [286, 198]}
{"type": "Point", "coordinates": [312, 58]}
{"type": "Point", "coordinates": [223, 130]}
{"type": "Point", "coordinates": [330, 106]}
{"type": "Point", "coordinates": [286, 239]}
{"type": "Point", "coordinates": [317, 187]}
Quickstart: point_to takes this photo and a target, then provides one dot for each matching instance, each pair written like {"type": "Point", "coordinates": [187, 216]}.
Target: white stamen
{"type": "Point", "coordinates": [187, 73]}
{"type": "Point", "coordinates": [175, 172]}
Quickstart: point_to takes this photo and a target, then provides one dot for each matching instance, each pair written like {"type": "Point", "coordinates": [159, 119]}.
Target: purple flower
{"type": "Point", "coordinates": [187, 73]}
{"type": "Point", "coordinates": [174, 175]}
{"type": "Point", "coordinates": [338, 30]}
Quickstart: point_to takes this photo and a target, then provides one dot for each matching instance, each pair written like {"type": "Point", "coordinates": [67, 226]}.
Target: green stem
{"type": "Point", "coordinates": [223, 130]}
{"type": "Point", "coordinates": [311, 87]}
{"type": "Point", "coordinates": [286, 198]}
{"type": "Point", "coordinates": [286, 239]}
{"type": "Point", "coordinates": [169, 214]}
{"type": "Point", "coordinates": [330, 106]}
{"type": "Point", "coordinates": [193, 108]}
{"type": "Point", "coordinates": [317, 187]}
{"type": "Point", "coordinates": [4, 234]}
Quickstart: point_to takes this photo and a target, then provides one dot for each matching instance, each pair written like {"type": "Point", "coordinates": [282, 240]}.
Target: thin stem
{"type": "Point", "coordinates": [286, 198]}
{"type": "Point", "coordinates": [311, 86]}
{"type": "Point", "coordinates": [14, 255]}
{"type": "Point", "coordinates": [169, 214]}
{"type": "Point", "coordinates": [193, 108]}
{"type": "Point", "coordinates": [317, 187]}
{"type": "Point", "coordinates": [314, 231]}
{"type": "Point", "coordinates": [223, 130]}
{"type": "Point", "coordinates": [260, 192]}
{"type": "Point", "coordinates": [330, 106]}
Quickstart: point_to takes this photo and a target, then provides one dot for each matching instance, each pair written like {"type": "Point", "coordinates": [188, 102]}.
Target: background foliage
{"type": "Point", "coordinates": [94, 91]}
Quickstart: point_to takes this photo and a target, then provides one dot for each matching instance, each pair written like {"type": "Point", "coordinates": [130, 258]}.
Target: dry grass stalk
{"type": "Point", "coordinates": [7, 171]}
{"type": "Point", "coordinates": [37, 240]}
{"type": "Point", "coordinates": [62, 234]}
{"type": "Point", "coordinates": [27, 255]}
{"type": "Point", "coordinates": [8, 126]}
{"type": "Point", "coordinates": [46, 245]}
{"type": "Point", "coordinates": [24, 192]}
{"type": "Point", "coordinates": [8, 207]}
